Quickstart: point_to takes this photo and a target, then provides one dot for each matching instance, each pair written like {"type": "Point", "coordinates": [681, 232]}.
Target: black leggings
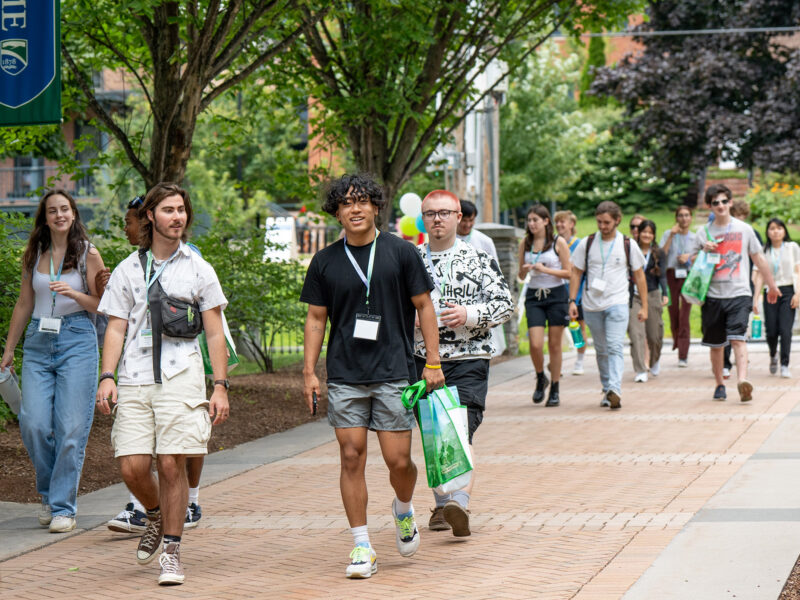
{"type": "Point", "coordinates": [778, 321]}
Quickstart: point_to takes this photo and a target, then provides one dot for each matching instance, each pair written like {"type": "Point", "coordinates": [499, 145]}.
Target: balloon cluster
{"type": "Point", "coordinates": [411, 223]}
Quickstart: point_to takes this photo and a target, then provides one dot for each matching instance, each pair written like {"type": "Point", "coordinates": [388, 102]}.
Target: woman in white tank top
{"type": "Point", "coordinates": [545, 260]}
{"type": "Point", "coordinates": [59, 364]}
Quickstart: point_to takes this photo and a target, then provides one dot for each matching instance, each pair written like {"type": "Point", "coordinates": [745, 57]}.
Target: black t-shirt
{"type": "Point", "coordinates": [397, 274]}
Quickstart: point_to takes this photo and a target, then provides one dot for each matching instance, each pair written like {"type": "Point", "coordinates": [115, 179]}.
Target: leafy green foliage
{"type": "Point", "coordinates": [595, 60]}
{"type": "Point", "coordinates": [778, 198]}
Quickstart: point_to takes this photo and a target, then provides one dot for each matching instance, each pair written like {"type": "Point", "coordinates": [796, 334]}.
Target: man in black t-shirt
{"type": "Point", "coordinates": [369, 286]}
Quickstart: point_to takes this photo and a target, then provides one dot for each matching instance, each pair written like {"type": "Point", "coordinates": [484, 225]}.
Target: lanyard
{"type": "Point", "coordinates": [149, 281]}
{"type": "Point", "coordinates": [776, 265]}
{"type": "Point", "coordinates": [647, 258]}
{"type": "Point", "coordinates": [440, 283]}
{"type": "Point", "coordinates": [54, 277]}
{"type": "Point", "coordinates": [605, 257]}
{"type": "Point", "coordinates": [368, 278]}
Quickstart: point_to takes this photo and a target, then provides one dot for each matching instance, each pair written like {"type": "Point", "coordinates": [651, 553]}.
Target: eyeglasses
{"type": "Point", "coordinates": [430, 215]}
{"type": "Point", "coordinates": [634, 226]}
{"type": "Point", "coordinates": [718, 202]}
{"type": "Point", "coordinates": [362, 201]}
{"type": "Point", "coordinates": [136, 202]}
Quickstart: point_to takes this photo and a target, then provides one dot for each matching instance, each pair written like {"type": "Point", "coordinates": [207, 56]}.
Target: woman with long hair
{"type": "Point", "coordinates": [650, 331]}
{"type": "Point", "coordinates": [676, 244]}
{"type": "Point", "coordinates": [783, 257]}
{"type": "Point", "coordinates": [546, 258]}
{"type": "Point", "coordinates": [59, 364]}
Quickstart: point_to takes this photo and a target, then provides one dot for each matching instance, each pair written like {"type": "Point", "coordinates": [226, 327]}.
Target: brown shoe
{"type": "Point", "coordinates": [458, 518]}
{"type": "Point", "coordinates": [150, 542]}
{"type": "Point", "coordinates": [437, 522]}
{"type": "Point", "coordinates": [614, 400]}
{"type": "Point", "coordinates": [171, 568]}
{"type": "Point", "coordinates": [745, 390]}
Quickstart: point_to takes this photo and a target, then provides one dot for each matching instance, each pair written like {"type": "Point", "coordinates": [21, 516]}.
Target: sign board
{"type": "Point", "coordinates": [30, 62]}
{"type": "Point", "coordinates": [281, 239]}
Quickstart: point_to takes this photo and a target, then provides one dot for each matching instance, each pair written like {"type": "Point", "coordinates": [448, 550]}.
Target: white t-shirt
{"type": "Point", "coordinates": [783, 261]}
{"type": "Point", "coordinates": [614, 273]}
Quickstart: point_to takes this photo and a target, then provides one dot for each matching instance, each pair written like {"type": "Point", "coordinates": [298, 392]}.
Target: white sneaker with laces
{"type": "Point", "coordinates": [407, 534]}
{"type": "Point", "coordinates": [682, 364]}
{"type": "Point", "coordinates": [62, 524]}
{"type": "Point", "coordinates": [363, 563]}
{"type": "Point", "coordinates": [171, 568]}
{"type": "Point", "coordinates": [578, 368]}
{"type": "Point", "coordinates": [640, 378]}
{"type": "Point", "coordinates": [655, 369]}
{"type": "Point", "coordinates": [785, 373]}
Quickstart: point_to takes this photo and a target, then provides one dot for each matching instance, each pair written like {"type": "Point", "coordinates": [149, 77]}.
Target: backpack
{"type": "Point", "coordinates": [100, 321]}
{"type": "Point", "coordinates": [627, 244]}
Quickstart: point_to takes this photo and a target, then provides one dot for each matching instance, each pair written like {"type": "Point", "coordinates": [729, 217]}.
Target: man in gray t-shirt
{"type": "Point", "coordinates": [730, 244]}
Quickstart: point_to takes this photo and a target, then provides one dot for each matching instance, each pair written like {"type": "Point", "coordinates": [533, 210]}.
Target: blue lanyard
{"type": "Point", "coordinates": [776, 265]}
{"type": "Point", "coordinates": [368, 278]}
{"type": "Point", "coordinates": [149, 281]}
{"type": "Point", "coordinates": [605, 257]}
{"type": "Point", "coordinates": [647, 258]}
{"type": "Point", "coordinates": [54, 277]}
{"type": "Point", "coordinates": [440, 283]}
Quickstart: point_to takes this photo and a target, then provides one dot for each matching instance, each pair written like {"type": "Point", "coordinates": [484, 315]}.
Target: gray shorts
{"type": "Point", "coordinates": [376, 406]}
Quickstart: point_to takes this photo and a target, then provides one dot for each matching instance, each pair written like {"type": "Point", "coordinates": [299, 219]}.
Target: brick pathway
{"type": "Point", "coordinates": [570, 502]}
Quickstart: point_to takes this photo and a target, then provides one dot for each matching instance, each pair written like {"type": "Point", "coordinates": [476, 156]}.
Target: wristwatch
{"type": "Point", "coordinates": [223, 382]}
{"type": "Point", "coordinates": [571, 300]}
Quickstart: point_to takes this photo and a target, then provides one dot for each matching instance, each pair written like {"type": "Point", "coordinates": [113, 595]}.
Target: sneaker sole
{"type": "Point", "coordinates": [124, 527]}
{"type": "Point", "coordinates": [191, 525]}
{"type": "Point", "coordinates": [745, 391]}
{"type": "Point", "coordinates": [458, 519]}
{"type": "Point", "coordinates": [366, 575]}
{"type": "Point", "coordinates": [171, 579]}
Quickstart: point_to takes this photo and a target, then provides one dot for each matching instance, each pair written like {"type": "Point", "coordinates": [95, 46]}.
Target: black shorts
{"type": "Point", "coordinates": [547, 307]}
{"type": "Point", "coordinates": [471, 378]}
{"type": "Point", "coordinates": [725, 319]}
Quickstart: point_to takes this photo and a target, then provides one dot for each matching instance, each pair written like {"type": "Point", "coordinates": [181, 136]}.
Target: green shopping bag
{"type": "Point", "coordinates": [233, 358]}
{"type": "Point", "coordinates": [698, 281]}
{"type": "Point", "coordinates": [448, 464]}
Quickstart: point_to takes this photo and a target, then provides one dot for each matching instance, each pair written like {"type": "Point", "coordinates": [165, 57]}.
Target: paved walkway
{"type": "Point", "coordinates": [674, 496]}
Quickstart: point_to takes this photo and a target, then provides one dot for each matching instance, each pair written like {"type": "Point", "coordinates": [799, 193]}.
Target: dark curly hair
{"type": "Point", "coordinates": [359, 184]}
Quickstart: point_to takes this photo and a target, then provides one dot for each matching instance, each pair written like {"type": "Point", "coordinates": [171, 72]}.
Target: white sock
{"type": "Point", "coordinates": [360, 535]}
{"type": "Point", "coordinates": [194, 495]}
{"type": "Point", "coordinates": [403, 508]}
{"type": "Point", "coordinates": [136, 504]}
{"type": "Point", "coordinates": [579, 359]}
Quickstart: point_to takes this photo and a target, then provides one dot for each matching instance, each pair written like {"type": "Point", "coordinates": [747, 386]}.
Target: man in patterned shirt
{"type": "Point", "coordinates": [470, 297]}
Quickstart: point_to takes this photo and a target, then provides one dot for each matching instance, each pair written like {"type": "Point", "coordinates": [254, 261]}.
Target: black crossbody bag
{"type": "Point", "coordinates": [169, 316]}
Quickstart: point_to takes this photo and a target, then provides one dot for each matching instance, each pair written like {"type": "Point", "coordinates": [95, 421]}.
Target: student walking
{"type": "Point", "coordinates": [471, 297]}
{"type": "Point", "coordinates": [609, 260]}
{"type": "Point", "coordinates": [650, 333]}
{"type": "Point", "coordinates": [161, 399]}
{"type": "Point", "coordinates": [676, 244]}
{"type": "Point", "coordinates": [566, 221]}
{"type": "Point", "coordinates": [783, 259]}
{"type": "Point", "coordinates": [369, 286]}
{"type": "Point", "coordinates": [546, 257]}
{"type": "Point", "coordinates": [731, 245]}
{"type": "Point", "coordinates": [59, 365]}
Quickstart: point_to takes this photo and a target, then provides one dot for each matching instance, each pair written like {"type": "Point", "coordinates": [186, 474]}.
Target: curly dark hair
{"type": "Point", "coordinates": [359, 184]}
{"type": "Point", "coordinates": [39, 240]}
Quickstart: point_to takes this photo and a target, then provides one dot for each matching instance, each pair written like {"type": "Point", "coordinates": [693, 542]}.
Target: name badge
{"type": "Point", "coordinates": [681, 273]}
{"type": "Point", "coordinates": [50, 324]}
{"type": "Point", "coordinates": [713, 258]}
{"type": "Point", "coordinates": [146, 338]}
{"type": "Point", "coordinates": [598, 285]}
{"type": "Point", "coordinates": [367, 327]}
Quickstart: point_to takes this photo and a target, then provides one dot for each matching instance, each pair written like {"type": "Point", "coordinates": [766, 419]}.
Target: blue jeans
{"type": "Point", "coordinates": [608, 329]}
{"type": "Point", "coordinates": [59, 382]}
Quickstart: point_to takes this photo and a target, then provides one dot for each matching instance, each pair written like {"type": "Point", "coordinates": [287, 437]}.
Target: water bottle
{"type": "Point", "coordinates": [9, 390]}
{"type": "Point", "coordinates": [755, 328]}
{"type": "Point", "coordinates": [577, 336]}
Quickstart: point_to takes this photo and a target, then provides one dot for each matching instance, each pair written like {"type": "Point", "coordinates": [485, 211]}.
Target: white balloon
{"type": "Point", "coordinates": [411, 204]}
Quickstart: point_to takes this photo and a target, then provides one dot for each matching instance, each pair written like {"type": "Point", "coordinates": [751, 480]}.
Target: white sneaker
{"type": "Point", "coordinates": [773, 365]}
{"type": "Point", "coordinates": [726, 373]}
{"type": "Point", "coordinates": [655, 369]}
{"type": "Point", "coordinates": [407, 534]}
{"type": "Point", "coordinates": [682, 364]}
{"type": "Point", "coordinates": [578, 368]}
{"type": "Point", "coordinates": [785, 372]}
{"type": "Point", "coordinates": [44, 515]}
{"type": "Point", "coordinates": [640, 378]}
{"type": "Point", "coordinates": [62, 524]}
{"type": "Point", "coordinates": [363, 563]}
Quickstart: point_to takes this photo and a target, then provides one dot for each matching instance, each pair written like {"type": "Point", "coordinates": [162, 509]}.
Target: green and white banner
{"type": "Point", "coordinates": [30, 62]}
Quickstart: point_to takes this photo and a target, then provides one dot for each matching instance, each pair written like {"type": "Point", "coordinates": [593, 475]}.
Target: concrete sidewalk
{"type": "Point", "coordinates": [674, 496]}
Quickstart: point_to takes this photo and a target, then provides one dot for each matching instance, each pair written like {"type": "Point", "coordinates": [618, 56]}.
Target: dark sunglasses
{"type": "Point", "coordinates": [718, 202]}
{"type": "Point", "coordinates": [136, 202]}
{"type": "Point", "coordinates": [634, 226]}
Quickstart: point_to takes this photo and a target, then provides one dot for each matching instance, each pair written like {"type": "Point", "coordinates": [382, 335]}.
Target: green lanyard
{"type": "Point", "coordinates": [54, 277]}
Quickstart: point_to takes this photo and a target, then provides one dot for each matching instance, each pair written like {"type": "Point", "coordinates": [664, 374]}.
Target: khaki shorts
{"type": "Point", "coordinates": [167, 418]}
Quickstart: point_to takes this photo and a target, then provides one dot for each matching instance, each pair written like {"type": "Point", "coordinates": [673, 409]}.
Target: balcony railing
{"type": "Point", "coordinates": [21, 184]}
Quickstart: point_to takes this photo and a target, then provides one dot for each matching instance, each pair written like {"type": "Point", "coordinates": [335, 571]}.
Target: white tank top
{"type": "Point", "coordinates": [44, 297]}
{"type": "Point", "coordinates": [548, 258]}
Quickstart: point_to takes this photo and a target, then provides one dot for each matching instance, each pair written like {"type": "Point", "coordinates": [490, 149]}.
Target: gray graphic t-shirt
{"type": "Point", "coordinates": [736, 242]}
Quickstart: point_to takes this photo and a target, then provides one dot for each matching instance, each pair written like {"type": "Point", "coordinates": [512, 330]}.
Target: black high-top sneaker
{"type": "Point", "coordinates": [552, 399]}
{"type": "Point", "coordinates": [541, 385]}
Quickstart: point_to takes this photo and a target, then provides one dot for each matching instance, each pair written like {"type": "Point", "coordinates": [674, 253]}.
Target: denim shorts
{"type": "Point", "coordinates": [376, 406]}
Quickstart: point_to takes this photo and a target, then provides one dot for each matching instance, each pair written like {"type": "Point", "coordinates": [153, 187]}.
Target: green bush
{"type": "Point", "coordinates": [776, 199]}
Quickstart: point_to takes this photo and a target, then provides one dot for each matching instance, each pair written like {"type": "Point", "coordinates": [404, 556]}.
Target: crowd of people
{"type": "Point", "coordinates": [396, 314]}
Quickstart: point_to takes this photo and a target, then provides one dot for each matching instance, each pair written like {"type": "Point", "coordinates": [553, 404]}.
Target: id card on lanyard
{"type": "Point", "coordinates": [367, 325]}
{"type": "Point", "coordinates": [598, 284]}
{"type": "Point", "coordinates": [52, 324]}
